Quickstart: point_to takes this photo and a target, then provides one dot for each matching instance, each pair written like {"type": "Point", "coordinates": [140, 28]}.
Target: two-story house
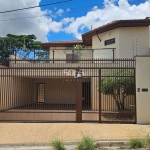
{"type": "Point", "coordinates": [46, 90]}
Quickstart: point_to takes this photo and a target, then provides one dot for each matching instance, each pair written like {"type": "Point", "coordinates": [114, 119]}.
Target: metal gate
{"type": "Point", "coordinates": [48, 91]}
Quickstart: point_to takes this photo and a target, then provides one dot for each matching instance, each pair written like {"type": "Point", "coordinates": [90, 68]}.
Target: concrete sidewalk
{"type": "Point", "coordinates": [44, 133]}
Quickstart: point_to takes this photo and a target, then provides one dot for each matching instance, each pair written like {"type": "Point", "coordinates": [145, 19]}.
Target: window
{"type": "Point", "coordinates": [70, 58]}
{"type": "Point", "coordinates": [110, 41]}
{"type": "Point", "coordinates": [41, 91]}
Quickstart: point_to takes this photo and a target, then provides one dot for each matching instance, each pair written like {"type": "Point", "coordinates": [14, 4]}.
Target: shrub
{"type": "Point", "coordinates": [86, 144]}
{"type": "Point", "coordinates": [136, 143]}
{"type": "Point", "coordinates": [58, 145]}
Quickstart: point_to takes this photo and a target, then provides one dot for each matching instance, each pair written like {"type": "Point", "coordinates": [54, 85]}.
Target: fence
{"type": "Point", "coordinates": [43, 91]}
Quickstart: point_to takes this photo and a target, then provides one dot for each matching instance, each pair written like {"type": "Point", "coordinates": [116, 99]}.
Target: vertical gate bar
{"type": "Point", "coordinates": [20, 86]}
{"type": "Point", "coordinates": [53, 56]}
{"type": "Point", "coordinates": [79, 99]}
{"type": "Point", "coordinates": [99, 95]}
{"type": "Point", "coordinates": [113, 55]}
{"type": "Point", "coordinates": [73, 56]}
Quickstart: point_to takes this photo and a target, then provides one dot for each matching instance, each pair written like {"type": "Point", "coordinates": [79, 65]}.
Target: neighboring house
{"type": "Point", "coordinates": [51, 84]}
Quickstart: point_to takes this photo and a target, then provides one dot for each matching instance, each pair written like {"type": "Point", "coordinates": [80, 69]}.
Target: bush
{"type": "Point", "coordinates": [136, 143]}
{"type": "Point", "coordinates": [58, 145]}
{"type": "Point", "coordinates": [86, 144]}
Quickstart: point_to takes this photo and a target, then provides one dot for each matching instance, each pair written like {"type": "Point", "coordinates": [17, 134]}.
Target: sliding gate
{"type": "Point", "coordinates": [89, 90]}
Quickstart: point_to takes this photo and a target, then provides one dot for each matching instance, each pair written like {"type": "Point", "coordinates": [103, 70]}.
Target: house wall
{"type": "Point", "coordinates": [142, 81]}
{"type": "Point", "coordinates": [96, 44]}
{"type": "Point", "coordinates": [127, 41]}
{"type": "Point", "coordinates": [60, 52]}
{"type": "Point", "coordinates": [57, 90]}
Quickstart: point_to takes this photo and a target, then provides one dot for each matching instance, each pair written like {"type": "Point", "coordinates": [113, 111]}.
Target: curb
{"type": "Point", "coordinates": [102, 143]}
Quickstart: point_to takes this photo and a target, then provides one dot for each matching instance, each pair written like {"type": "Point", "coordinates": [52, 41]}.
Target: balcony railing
{"type": "Point", "coordinates": [61, 63]}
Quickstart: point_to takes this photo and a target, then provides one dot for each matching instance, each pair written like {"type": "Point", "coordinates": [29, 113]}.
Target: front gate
{"type": "Point", "coordinates": [93, 90]}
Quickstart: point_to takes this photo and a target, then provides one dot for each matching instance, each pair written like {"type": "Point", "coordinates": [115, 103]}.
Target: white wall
{"type": "Point", "coordinates": [143, 98]}
{"type": "Point", "coordinates": [60, 52]}
{"type": "Point", "coordinates": [128, 40]}
{"type": "Point", "coordinates": [125, 47]}
{"type": "Point", "coordinates": [96, 44]}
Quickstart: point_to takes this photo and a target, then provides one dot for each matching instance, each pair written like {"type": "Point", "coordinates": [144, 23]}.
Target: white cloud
{"type": "Point", "coordinates": [40, 26]}
{"type": "Point", "coordinates": [67, 20]}
{"type": "Point", "coordinates": [45, 22]}
{"type": "Point", "coordinates": [108, 13]}
{"type": "Point", "coordinates": [95, 8]}
{"type": "Point", "coordinates": [60, 12]}
{"type": "Point", "coordinates": [68, 9]}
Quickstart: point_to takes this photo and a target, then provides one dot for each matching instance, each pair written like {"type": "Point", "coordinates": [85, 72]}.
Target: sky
{"type": "Point", "coordinates": [67, 20]}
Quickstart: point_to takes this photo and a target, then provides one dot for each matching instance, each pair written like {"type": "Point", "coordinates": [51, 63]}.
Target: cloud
{"type": "Point", "coordinates": [95, 8]}
{"type": "Point", "coordinates": [43, 23]}
{"type": "Point", "coordinates": [60, 12]}
{"type": "Point", "coordinates": [68, 9]}
{"type": "Point", "coordinates": [97, 17]}
{"type": "Point", "coordinates": [39, 24]}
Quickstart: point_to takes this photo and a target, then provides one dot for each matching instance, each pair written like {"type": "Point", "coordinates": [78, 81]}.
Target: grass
{"type": "Point", "coordinates": [86, 143]}
{"type": "Point", "coordinates": [147, 141]}
{"type": "Point", "coordinates": [136, 143]}
{"type": "Point", "coordinates": [58, 145]}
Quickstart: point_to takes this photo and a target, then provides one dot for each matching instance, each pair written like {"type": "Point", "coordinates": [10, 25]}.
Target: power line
{"type": "Point", "coordinates": [78, 7]}
{"type": "Point", "coordinates": [34, 6]}
{"type": "Point", "coordinates": [41, 16]}
{"type": "Point", "coordinates": [46, 15]}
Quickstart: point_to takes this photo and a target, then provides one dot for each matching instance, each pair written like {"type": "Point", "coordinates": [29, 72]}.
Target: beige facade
{"type": "Point", "coordinates": [60, 52]}
{"type": "Point", "coordinates": [142, 82]}
{"type": "Point", "coordinates": [129, 41]}
{"type": "Point", "coordinates": [96, 44]}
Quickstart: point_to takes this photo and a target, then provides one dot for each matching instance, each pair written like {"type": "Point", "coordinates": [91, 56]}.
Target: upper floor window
{"type": "Point", "coordinates": [70, 58]}
{"type": "Point", "coordinates": [110, 41]}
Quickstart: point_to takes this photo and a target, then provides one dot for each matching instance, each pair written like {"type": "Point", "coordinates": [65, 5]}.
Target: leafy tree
{"type": "Point", "coordinates": [12, 43]}
{"type": "Point", "coordinates": [119, 84]}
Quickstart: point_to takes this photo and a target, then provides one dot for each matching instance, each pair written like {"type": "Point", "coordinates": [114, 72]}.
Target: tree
{"type": "Point", "coordinates": [119, 84]}
{"type": "Point", "coordinates": [12, 43]}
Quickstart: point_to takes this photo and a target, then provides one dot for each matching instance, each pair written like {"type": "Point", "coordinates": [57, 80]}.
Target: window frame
{"type": "Point", "coordinates": [110, 41]}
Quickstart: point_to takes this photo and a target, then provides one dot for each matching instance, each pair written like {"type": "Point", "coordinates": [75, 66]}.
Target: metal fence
{"type": "Point", "coordinates": [88, 90]}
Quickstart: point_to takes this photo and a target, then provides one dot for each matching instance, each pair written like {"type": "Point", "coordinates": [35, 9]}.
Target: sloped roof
{"type": "Point", "coordinates": [87, 37]}
{"type": "Point", "coordinates": [68, 43]}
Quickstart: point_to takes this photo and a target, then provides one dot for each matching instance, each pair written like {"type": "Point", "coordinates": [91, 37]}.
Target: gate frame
{"type": "Point", "coordinates": [135, 111]}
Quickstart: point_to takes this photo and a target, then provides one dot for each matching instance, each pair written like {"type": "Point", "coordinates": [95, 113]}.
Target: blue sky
{"type": "Point", "coordinates": [69, 20]}
{"type": "Point", "coordinates": [77, 8]}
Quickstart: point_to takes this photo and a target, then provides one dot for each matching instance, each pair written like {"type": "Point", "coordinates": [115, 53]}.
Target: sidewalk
{"type": "Point", "coordinates": [44, 133]}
